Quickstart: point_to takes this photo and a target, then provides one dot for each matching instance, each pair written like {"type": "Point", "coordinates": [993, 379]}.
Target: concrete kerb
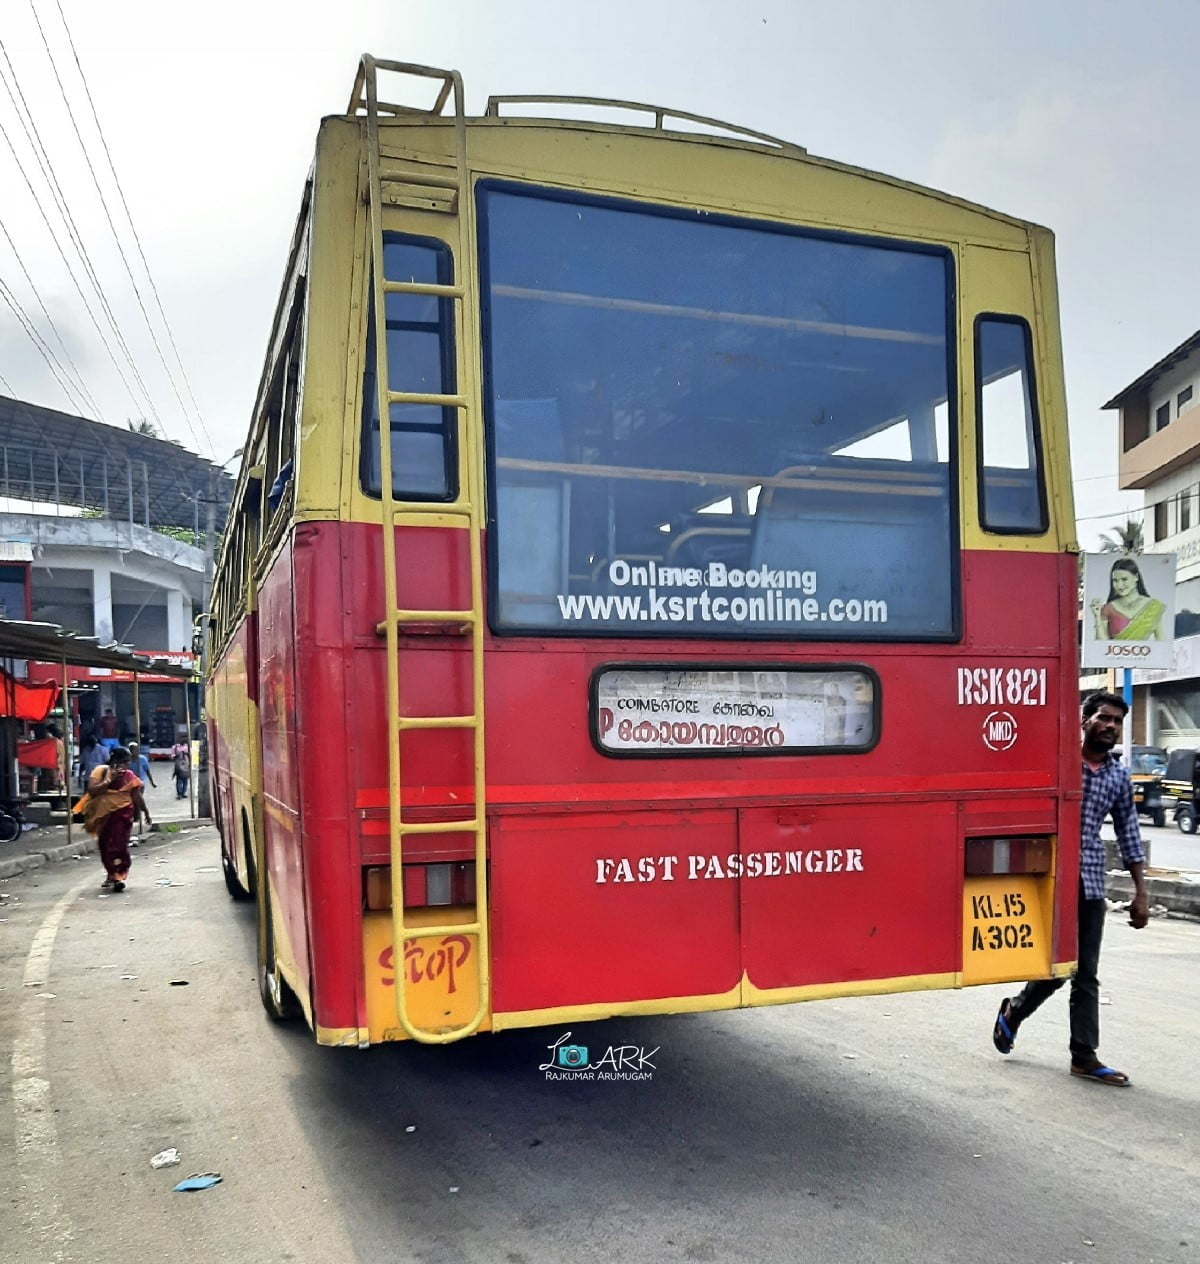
{"type": "Point", "coordinates": [36, 856]}
{"type": "Point", "coordinates": [1169, 892]}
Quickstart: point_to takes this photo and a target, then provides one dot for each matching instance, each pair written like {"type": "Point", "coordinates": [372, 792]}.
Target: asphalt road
{"type": "Point", "coordinates": [880, 1129]}
{"type": "Point", "coordinates": [1169, 847]}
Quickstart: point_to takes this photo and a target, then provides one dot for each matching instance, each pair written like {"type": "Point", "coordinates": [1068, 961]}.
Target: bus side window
{"type": "Point", "coordinates": [420, 359]}
{"type": "Point", "coordinates": [1012, 489]}
{"type": "Point", "coordinates": [283, 409]}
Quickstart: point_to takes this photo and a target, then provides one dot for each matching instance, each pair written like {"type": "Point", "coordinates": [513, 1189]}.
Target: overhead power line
{"type": "Point", "coordinates": [32, 136]}
{"type": "Point", "coordinates": [44, 350]}
{"type": "Point", "coordinates": [75, 376]}
{"type": "Point", "coordinates": [132, 228]}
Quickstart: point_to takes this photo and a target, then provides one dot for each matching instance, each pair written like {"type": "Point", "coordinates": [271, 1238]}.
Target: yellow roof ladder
{"type": "Point", "coordinates": [442, 194]}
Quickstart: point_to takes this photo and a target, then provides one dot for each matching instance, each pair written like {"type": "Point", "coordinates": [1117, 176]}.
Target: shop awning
{"type": "Point", "coordinates": [52, 643]}
{"type": "Point", "coordinates": [23, 700]}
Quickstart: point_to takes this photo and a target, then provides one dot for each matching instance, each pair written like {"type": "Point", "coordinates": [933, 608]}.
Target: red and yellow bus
{"type": "Point", "coordinates": [704, 634]}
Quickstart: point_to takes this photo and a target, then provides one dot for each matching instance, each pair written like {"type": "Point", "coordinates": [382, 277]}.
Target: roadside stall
{"type": "Point", "coordinates": [34, 658]}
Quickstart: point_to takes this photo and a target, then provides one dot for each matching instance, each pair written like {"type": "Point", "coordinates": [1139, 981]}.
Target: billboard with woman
{"type": "Point", "coordinates": [1128, 610]}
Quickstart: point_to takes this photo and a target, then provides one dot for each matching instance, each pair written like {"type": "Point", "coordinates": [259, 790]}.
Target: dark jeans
{"type": "Point", "coordinates": [1085, 985]}
{"type": "Point", "coordinates": [181, 784]}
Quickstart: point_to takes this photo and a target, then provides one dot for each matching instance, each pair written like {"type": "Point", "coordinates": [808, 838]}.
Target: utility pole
{"type": "Point", "coordinates": [203, 798]}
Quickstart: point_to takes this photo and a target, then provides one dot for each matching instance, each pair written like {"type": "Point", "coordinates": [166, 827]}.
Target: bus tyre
{"type": "Point", "coordinates": [251, 873]}
{"type": "Point", "coordinates": [1185, 818]}
{"type": "Point", "coordinates": [232, 882]}
{"type": "Point", "coordinates": [248, 855]}
{"type": "Point", "coordinates": [278, 999]}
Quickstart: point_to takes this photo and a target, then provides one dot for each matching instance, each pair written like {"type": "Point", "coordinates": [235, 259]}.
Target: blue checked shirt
{"type": "Point", "coordinates": [1106, 790]}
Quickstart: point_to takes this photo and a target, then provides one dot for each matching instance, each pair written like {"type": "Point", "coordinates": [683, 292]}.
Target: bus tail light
{"type": "Point", "coordinates": [1008, 855]}
{"type": "Point", "coordinates": [425, 886]}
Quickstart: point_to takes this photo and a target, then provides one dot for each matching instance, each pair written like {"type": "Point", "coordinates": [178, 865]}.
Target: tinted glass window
{"type": "Point", "coordinates": [1011, 489]}
{"type": "Point", "coordinates": [420, 358]}
{"type": "Point", "coordinates": [12, 592]}
{"type": "Point", "coordinates": [708, 428]}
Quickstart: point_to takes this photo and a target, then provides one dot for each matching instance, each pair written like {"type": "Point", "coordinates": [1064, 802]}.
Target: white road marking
{"type": "Point", "coordinates": [37, 1150]}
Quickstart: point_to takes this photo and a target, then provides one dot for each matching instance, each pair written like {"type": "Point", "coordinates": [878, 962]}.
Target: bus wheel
{"type": "Point", "coordinates": [278, 999]}
{"type": "Point", "coordinates": [233, 883]}
{"type": "Point", "coordinates": [251, 866]}
{"type": "Point", "coordinates": [1186, 820]}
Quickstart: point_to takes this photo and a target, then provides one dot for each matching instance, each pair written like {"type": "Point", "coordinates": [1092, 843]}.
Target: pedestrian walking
{"type": "Point", "coordinates": [92, 754]}
{"type": "Point", "coordinates": [182, 755]}
{"type": "Point", "coordinates": [112, 802]}
{"type": "Point", "coordinates": [1106, 789]}
{"type": "Point", "coordinates": [141, 764]}
{"type": "Point", "coordinates": [110, 729]}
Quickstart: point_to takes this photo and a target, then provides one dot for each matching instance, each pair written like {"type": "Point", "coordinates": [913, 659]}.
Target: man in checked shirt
{"type": "Point", "coordinates": [1106, 789]}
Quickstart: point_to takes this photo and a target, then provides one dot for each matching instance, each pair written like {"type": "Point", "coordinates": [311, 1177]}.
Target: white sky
{"type": "Point", "coordinates": [1078, 114]}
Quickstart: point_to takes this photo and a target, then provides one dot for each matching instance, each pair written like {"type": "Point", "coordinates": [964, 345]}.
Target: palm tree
{"type": "Point", "coordinates": [1124, 537]}
{"type": "Point", "coordinates": [143, 427]}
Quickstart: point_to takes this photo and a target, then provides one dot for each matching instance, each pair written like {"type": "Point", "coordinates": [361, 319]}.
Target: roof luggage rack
{"type": "Point", "coordinates": [661, 115]}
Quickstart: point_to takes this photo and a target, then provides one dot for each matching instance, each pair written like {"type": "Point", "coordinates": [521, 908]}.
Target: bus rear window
{"type": "Point", "coordinates": [707, 428]}
{"type": "Point", "coordinates": [1012, 496]}
{"type": "Point", "coordinates": [420, 359]}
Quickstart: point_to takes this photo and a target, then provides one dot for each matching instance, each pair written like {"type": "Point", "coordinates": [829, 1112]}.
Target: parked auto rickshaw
{"type": "Point", "coordinates": [1147, 767]}
{"type": "Point", "coordinates": [1182, 783]}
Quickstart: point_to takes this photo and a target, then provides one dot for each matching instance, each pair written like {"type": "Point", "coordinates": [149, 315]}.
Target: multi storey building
{"type": "Point", "coordinates": [1160, 456]}
{"type": "Point", "coordinates": [106, 532]}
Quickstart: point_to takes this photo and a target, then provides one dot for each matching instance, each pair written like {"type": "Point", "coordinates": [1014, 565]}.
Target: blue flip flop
{"type": "Point", "coordinates": [1103, 1075]}
{"type": "Point", "coordinates": [1003, 1036]}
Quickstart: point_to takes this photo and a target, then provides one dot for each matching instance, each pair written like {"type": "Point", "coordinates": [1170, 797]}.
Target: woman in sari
{"type": "Point", "coordinates": [1130, 613]}
{"type": "Point", "coordinates": [111, 805]}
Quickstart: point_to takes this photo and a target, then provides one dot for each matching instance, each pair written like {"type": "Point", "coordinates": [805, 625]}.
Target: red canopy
{"type": "Point", "coordinates": [40, 754]}
{"type": "Point", "coordinates": [23, 700]}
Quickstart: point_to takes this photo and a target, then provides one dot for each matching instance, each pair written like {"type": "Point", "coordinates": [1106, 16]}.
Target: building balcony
{"type": "Point", "coordinates": [1161, 453]}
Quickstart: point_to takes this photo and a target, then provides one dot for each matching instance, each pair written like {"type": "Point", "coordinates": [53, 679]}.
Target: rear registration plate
{"type": "Point", "coordinates": [1006, 932]}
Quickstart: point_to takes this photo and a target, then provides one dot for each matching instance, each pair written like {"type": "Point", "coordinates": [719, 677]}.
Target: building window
{"type": "Point", "coordinates": [1162, 416]}
{"type": "Point", "coordinates": [1160, 520]}
{"type": "Point", "coordinates": [1185, 510]}
{"type": "Point", "coordinates": [1183, 399]}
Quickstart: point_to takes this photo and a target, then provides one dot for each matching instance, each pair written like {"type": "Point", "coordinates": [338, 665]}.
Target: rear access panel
{"type": "Point", "coordinates": [612, 909]}
{"type": "Point", "coordinates": [839, 895]}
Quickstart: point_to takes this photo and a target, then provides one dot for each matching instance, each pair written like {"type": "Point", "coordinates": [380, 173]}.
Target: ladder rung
{"type": "Point", "coordinates": [429, 616]}
{"type": "Point", "coordinates": [435, 616]}
{"type": "Point", "coordinates": [427, 179]}
{"type": "Point", "coordinates": [456, 928]}
{"type": "Point", "coordinates": [424, 287]}
{"type": "Point", "coordinates": [427, 397]}
{"type": "Point", "coordinates": [398, 111]}
{"type": "Point", "coordinates": [438, 721]}
{"type": "Point", "coordinates": [441, 827]}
